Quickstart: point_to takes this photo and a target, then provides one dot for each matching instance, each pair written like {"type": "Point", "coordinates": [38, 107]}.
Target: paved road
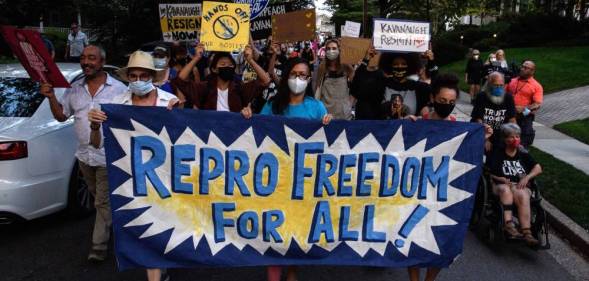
{"type": "Point", "coordinates": [564, 106]}
{"type": "Point", "coordinates": [55, 248]}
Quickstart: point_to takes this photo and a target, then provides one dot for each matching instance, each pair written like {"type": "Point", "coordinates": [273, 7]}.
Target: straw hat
{"type": "Point", "coordinates": [140, 59]}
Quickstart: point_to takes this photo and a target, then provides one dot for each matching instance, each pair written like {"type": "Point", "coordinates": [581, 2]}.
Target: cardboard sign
{"type": "Point", "coordinates": [352, 29]}
{"type": "Point", "coordinates": [294, 26]}
{"type": "Point", "coordinates": [353, 50]}
{"type": "Point", "coordinates": [400, 35]}
{"type": "Point", "coordinates": [30, 50]}
{"type": "Point", "coordinates": [180, 22]}
{"type": "Point", "coordinates": [261, 27]}
{"type": "Point", "coordinates": [225, 26]}
{"type": "Point", "coordinates": [256, 6]}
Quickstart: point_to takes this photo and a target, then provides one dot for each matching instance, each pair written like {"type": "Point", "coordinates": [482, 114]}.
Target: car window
{"type": "Point", "coordinates": [19, 97]}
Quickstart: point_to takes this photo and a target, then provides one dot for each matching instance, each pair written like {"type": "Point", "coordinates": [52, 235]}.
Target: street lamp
{"type": "Point", "coordinates": [494, 35]}
{"type": "Point", "coordinates": [461, 39]}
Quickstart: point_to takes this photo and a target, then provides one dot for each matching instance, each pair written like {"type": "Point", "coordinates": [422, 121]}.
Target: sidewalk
{"type": "Point", "coordinates": [557, 144]}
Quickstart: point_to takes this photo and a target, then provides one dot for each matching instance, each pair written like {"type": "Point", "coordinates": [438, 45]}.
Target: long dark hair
{"type": "Point", "coordinates": [282, 98]}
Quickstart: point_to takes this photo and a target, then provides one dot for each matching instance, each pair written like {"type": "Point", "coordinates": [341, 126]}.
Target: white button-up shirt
{"type": "Point", "coordinates": [77, 43]}
{"type": "Point", "coordinates": [77, 101]}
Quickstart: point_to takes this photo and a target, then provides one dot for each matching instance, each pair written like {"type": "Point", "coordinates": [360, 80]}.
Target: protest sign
{"type": "Point", "coordinates": [198, 187]}
{"type": "Point", "coordinates": [401, 35]}
{"type": "Point", "coordinates": [294, 26]}
{"type": "Point", "coordinates": [28, 47]}
{"type": "Point", "coordinates": [256, 6]}
{"type": "Point", "coordinates": [351, 29]}
{"type": "Point", "coordinates": [225, 26]}
{"type": "Point", "coordinates": [353, 50]}
{"type": "Point", "coordinates": [261, 27]}
{"type": "Point", "coordinates": [180, 22]}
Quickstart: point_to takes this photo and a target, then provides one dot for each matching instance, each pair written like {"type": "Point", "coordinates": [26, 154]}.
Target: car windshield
{"type": "Point", "coordinates": [19, 97]}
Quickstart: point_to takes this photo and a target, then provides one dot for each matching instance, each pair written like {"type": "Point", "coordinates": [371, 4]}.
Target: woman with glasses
{"type": "Point", "coordinates": [294, 99]}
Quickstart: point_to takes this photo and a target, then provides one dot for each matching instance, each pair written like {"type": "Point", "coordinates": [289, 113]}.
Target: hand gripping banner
{"type": "Point", "coordinates": [195, 187]}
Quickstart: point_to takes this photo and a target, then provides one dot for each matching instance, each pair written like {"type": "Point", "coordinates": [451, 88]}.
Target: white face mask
{"type": "Point", "coordinates": [141, 88]}
{"type": "Point", "coordinates": [297, 86]}
{"type": "Point", "coordinates": [332, 54]}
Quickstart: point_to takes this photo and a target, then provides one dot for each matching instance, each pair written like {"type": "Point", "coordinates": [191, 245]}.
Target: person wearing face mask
{"type": "Point", "coordinates": [395, 70]}
{"type": "Point", "coordinates": [493, 106]}
{"type": "Point", "coordinates": [95, 88]}
{"type": "Point", "coordinates": [332, 85]}
{"type": "Point", "coordinates": [473, 74]}
{"type": "Point", "coordinates": [512, 170]}
{"type": "Point", "coordinates": [275, 68]}
{"type": "Point", "coordinates": [160, 61]}
{"type": "Point", "coordinates": [293, 100]}
{"type": "Point", "coordinates": [365, 87]}
{"type": "Point", "coordinates": [141, 74]}
{"type": "Point", "coordinates": [221, 91]}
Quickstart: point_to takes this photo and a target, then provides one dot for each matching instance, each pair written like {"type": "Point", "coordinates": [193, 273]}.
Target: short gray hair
{"type": "Point", "coordinates": [509, 129]}
{"type": "Point", "coordinates": [100, 50]}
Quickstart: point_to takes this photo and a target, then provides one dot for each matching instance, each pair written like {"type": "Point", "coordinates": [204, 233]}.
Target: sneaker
{"type": "Point", "coordinates": [97, 255]}
{"type": "Point", "coordinates": [511, 231]}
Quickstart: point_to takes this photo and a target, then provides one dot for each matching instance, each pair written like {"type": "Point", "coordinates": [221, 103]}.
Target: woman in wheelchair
{"type": "Point", "coordinates": [512, 170]}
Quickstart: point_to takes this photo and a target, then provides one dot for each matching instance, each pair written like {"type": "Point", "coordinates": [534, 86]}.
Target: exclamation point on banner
{"type": "Point", "coordinates": [415, 217]}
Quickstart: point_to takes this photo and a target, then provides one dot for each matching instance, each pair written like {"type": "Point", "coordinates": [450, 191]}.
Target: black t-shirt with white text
{"type": "Point", "coordinates": [513, 168]}
{"type": "Point", "coordinates": [493, 114]}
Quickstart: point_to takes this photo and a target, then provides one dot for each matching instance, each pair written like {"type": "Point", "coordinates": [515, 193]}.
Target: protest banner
{"type": "Point", "coordinates": [225, 26]}
{"type": "Point", "coordinates": [351, 29]}
{"type": "Point", "coordinates": [261, 27]}
{"type": "Point", "coordinates": [28, 47]}
{"type": "Point", "coordinates": [401, 35]}
{"type": "Point", "coordinates": [198, 187]}
{"type": "Point", "coordinates": [294, 26]}
{"type": "Point", "coordinates": [353, 50]}
{"type": "Point", "coordinates": [180, 22]}
{"type": "Point", "coordinates": [256, 6]}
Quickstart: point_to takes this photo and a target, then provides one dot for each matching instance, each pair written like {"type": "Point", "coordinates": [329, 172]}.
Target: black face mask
{"type": "Point", "coordinates": [399, 72]}
{"type": "Point", "coordinates": [226, 73]}
{"type": "Point", "coordinates": [443, 109]}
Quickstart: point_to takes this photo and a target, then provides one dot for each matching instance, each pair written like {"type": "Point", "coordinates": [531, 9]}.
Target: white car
{"type": "Point", "coordinates": [38, 170]}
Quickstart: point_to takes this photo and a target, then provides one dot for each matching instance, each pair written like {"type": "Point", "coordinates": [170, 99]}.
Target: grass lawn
{"type": "Point", "coordinates": [557, 68]}
{"type": "Point", "coordinates": [578, 129]}
{"type": "Point", "coordinates": [564, 186]}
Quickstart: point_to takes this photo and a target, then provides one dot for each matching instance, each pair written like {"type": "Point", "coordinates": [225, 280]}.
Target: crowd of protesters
{"type": "Point", "coordinates": [276, 78]}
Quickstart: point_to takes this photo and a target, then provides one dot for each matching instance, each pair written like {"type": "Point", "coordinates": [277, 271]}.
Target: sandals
{"type": "Point", "coordinates": [511, 231]}
{"type": "Point", "coordinates": [529, 238]}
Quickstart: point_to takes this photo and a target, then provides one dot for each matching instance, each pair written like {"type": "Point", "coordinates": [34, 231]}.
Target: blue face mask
{"type": "Point", "coordinates": [497, 91]}
{"type": "Point", "coordinates": [141, 88]}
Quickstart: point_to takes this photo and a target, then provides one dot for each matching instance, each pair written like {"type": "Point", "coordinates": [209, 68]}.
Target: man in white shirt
{"type": "Point", "coordinates": [76, 42]}
{"type": "Point", "coordinates": [96, 88]}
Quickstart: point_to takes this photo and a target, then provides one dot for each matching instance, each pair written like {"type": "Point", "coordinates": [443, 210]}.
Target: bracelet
{"type": "Point", "coordinates": [94, 127]}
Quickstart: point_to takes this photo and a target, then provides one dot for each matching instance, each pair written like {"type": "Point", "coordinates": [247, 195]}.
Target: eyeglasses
{"type": "Point", "coordinates": [302, 76]}
{"type": "Point", "coordinates": [143, 77]}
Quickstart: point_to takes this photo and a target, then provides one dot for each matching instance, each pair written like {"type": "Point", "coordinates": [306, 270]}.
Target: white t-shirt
{"type": "Point", "coordinates": [222, 100]}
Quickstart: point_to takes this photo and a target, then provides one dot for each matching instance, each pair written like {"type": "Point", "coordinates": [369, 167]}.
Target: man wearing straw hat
{"type": "Point", "coordinates": [141, 75]}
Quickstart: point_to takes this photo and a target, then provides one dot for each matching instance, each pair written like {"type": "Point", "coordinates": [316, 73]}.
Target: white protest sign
{"type": "Point", "coordinates": [352, 29]}
{"type": "Point", "coordinates": [400, 35]}
{"type": "Point", "coordinates": [180, 22]}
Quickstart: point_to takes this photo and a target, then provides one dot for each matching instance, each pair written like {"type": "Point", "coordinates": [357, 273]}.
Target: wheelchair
{"type": "Point", "coordinates": [487, 218]}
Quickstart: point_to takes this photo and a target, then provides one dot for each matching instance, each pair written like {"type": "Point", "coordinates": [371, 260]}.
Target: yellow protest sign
{"type": "Point", "coordinates": [180, 22]}
{"type": "Point", "coordinates": [225, 26]}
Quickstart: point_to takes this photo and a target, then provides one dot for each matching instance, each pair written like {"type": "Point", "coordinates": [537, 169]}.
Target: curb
{"type": "Point", "coordinates": [570, 230]}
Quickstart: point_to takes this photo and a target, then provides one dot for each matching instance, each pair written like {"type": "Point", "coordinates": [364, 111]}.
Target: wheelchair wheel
{"type": "Point", "coordinates": [480, 204]}
{"type": "Point", "coordinates": [540, 227]}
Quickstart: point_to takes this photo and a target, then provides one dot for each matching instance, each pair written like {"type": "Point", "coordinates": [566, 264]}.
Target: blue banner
{"type": "Point", "coordinates": [194, 187]}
